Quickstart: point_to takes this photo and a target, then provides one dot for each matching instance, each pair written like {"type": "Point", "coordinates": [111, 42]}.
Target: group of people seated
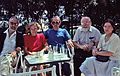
{"type": "Point", "coordinates": [13, 41]}
{"type": "Point", "coordinates": [95, 55]}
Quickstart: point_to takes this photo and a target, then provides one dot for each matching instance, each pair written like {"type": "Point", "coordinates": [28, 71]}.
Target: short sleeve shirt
{"type": "Point", "coordinates": [112, 45]}
{"type": "Point", "coordinates": [55, 37]}
{"type": "Point", "coordinates": [34, 43]}
{"type": "Point", "coordinates": [83, 37]}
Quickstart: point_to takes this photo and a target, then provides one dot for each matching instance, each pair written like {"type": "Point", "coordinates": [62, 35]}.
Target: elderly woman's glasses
{"type": "Point", "coordinates": [55, 22]}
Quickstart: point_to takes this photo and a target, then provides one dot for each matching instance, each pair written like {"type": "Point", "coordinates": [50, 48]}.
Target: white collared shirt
{"type": "Point", "coordinates": [82, 35]}
{"type": "Point", "coordinates": [9, 43]}
{"type": "Point", "coordinates": [112, 45]}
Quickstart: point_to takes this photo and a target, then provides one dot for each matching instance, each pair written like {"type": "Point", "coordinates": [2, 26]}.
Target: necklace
{"type": "Point", "coordinates": [107, 38]}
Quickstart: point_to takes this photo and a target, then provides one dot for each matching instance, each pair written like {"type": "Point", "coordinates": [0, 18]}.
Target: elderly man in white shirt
{"type": "Point", "coordinates": [86, 36]}
{"type": "Point", "coordinates": [11, 41]}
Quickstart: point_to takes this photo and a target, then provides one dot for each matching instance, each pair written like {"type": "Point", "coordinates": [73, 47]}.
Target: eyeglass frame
{"type": "Point", "coordinates": [55, 22]}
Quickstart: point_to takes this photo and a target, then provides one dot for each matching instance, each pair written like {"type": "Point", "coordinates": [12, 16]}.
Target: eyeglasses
{"type": "Point", "coordinates": [13, 23]}
{"type": "Point", "coordinates": [55, 23]}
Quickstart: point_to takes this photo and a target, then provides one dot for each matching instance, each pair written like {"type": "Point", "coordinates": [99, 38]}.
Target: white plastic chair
{"type": "Point", "coordinates": [37, 72]}
{"type": "Point", "coordinates": [6, 62]}
{"type": "Point", "coordinates": [71, 54]}
{"type": "Point", "coordinates": [19, 58]}
{"type": "Point", "coordinates": [115, 71]}
{"type": "Point", "coordinates": [71, 61]}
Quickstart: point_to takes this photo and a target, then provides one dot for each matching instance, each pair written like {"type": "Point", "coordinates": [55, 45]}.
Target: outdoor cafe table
{"type": "Point", "coordinates": [33, 60]}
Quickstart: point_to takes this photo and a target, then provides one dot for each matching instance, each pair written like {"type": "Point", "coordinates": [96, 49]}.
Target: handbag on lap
{"type": "Point", "coordinates": [102, 58]}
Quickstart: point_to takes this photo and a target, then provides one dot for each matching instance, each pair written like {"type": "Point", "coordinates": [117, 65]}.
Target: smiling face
{"type": "Point", "coordinates": [13, 24]}
{"type": "Point", "coordinates": [56, 22]}
{"type": "Point", "coordinates": [33, 28]}
{"type": "Point", "coordinates": [86, 22]}
{"type": "Point", "coordinates": [108, 29]}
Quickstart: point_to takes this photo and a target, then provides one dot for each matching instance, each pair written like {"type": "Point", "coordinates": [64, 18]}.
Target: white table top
{"type": "Point", "coordinates": [46, 58]}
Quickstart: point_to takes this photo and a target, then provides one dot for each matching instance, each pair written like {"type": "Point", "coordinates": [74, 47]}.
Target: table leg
{"type": "Point", "coordinates": [30, 68]}
{"type": "Point", "coordinates": [72, 68]}
{"type": "Point", "coordinates": [60, 67]}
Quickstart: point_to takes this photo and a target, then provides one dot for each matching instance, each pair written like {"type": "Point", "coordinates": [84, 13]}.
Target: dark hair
{"type": "Point", "coordinates": [112, 24]}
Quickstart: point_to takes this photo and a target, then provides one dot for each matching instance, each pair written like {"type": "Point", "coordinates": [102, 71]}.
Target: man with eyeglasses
{"type": "Point", "coordinates": [11, 41]}
{"type": "Point", "coordinates": [57, 36]}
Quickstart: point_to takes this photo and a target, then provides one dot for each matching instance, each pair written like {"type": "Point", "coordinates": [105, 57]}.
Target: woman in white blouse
{"type": "Point", "coordinates": [109, 48]}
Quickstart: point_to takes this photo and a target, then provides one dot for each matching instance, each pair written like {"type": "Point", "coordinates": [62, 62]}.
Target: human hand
{"type": "Point", "coordinates": [70, 44]}
{"type": "Point", "coordinates": [94, 52]}
{"type": "Point", "coordinates": [90, 45]}
{"type": "Point", "coordinates": [18, 49]}
{"type": "Point", "coordinates": [85, 47]}
{"type": "Point", "coordinates": [32, 53]}
{"type": "Point", "coordinates": [14, 54]}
